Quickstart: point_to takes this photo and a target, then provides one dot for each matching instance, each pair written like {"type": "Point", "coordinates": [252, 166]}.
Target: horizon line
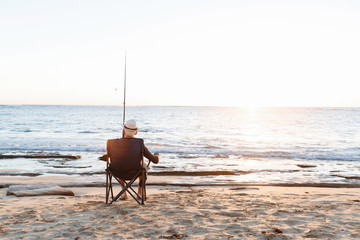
{"type": "Point", "coordinates": [213, 106]}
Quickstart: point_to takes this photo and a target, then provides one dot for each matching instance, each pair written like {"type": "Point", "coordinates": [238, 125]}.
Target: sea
{"type": "Point", "coordinates": [197, 145]}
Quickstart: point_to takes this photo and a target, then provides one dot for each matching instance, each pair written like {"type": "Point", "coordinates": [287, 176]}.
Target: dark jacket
{"type": "Point", "coordinates": [126, 153]}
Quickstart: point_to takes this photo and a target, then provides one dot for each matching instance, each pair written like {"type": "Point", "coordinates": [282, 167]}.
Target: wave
{"type": "Point", "coordinates": [150, 130]}
{"type": "Point", "coordinates": [163, 172]}
{"type": "Point", "coordinates": [22, 130]}
{"type": "Point", "coordinates": [347, 177]}
{"type": "Point", "coordinates": [54, 149]}
{"type": "Point", "coordinates": [264, 155]}
{"type": "Point", "coordinates": [212, 184]}
{"type": "Point", "coordinates": [185, 152]}
{"type": "Point", "coordinates": [87, 132]}
{"type": "Point", "coordinates": [188, 156]}
{"type": "Point", "coordinates": [219, 172]}
{"type": "Point", "coordinates": [221, 156]}
{"type": "Point", "coordinates": [211, 147]}
{"type": "Point", "coordinates": [72, 167]}
{"type": "Point", "coordinates": [197, 173]}
{"type": "Point", "coordinates": [301, 156]}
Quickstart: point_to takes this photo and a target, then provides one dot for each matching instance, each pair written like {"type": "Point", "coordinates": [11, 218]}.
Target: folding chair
{"type": "Point", "coordinates": [125, 162]}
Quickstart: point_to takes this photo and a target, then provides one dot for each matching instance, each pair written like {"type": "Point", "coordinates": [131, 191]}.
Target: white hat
{"type": "Point", "coordinates": [130, 128]}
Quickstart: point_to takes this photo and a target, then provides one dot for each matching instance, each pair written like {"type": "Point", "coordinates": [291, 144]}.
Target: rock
{"type": "Point", "coordinates": [175, 236]}
{"type": "Point", "coordinates": [352, 178]}
{"type": "Point", "coordinates": [39, 156]}
{"type": "Point", "coordinates": [306, 166]}
{"type": "Point", "coordinates": [38, 190]}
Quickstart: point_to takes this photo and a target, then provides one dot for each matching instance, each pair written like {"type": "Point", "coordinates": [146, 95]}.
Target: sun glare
{"type": "Point", "coordinates": [252, 108]}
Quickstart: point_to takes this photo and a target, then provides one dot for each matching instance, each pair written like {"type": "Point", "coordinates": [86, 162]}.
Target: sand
{"type": "Point", "coordinates": [186, 213]}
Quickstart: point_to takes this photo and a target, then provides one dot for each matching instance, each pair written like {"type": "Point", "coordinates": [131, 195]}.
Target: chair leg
{"type": "Point", "coordinates": [143, 196]}
{"type": "Point", "coordinates": [143, 188]}
{"type": "Point", "coordinates": [111, 189]}
{"type": "Point", "coordinates": [107, 187]}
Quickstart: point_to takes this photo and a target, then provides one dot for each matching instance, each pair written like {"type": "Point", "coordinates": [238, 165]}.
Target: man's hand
{"type": "Point", "coordinates": [157, 155]}
{"type": "Point", "coordinates": [103, 158]}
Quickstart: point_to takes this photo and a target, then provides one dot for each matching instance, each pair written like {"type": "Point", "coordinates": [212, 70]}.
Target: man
{"type": "Point", "coordinates": [133, 146]}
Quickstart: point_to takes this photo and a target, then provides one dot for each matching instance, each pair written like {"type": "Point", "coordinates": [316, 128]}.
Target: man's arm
{"type": "Point", "coordinates": [152, 157]}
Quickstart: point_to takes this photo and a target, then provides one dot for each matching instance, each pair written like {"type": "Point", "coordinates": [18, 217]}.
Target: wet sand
{"type": "Point", "coordinates": [248, 212]}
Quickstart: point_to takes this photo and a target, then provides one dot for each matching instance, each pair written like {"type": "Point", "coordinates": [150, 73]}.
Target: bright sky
{"type": "Point", "coordinates": [181, 52]}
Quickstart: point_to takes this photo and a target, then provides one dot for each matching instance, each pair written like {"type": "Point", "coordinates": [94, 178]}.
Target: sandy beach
{"type": "Point", "coordinates": [251, 212]}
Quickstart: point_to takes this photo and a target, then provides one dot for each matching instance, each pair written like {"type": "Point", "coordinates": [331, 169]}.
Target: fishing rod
{"type": "Point", "coordinates": [124, 92]}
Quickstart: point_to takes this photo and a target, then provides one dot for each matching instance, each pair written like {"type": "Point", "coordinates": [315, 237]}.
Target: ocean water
{"type": "Point", "coordinates": [197, 144]}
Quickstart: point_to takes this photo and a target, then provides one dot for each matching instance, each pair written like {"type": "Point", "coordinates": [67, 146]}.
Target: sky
{"type": "Point", "coordinates": [246, 53]}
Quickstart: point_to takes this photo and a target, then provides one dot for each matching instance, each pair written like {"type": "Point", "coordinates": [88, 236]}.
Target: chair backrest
{"type": "Point", "coordinates": [126, 154]}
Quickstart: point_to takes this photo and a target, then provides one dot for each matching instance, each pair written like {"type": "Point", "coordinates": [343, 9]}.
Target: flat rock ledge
{"type": "Point", "coordinates": [38, 190]}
